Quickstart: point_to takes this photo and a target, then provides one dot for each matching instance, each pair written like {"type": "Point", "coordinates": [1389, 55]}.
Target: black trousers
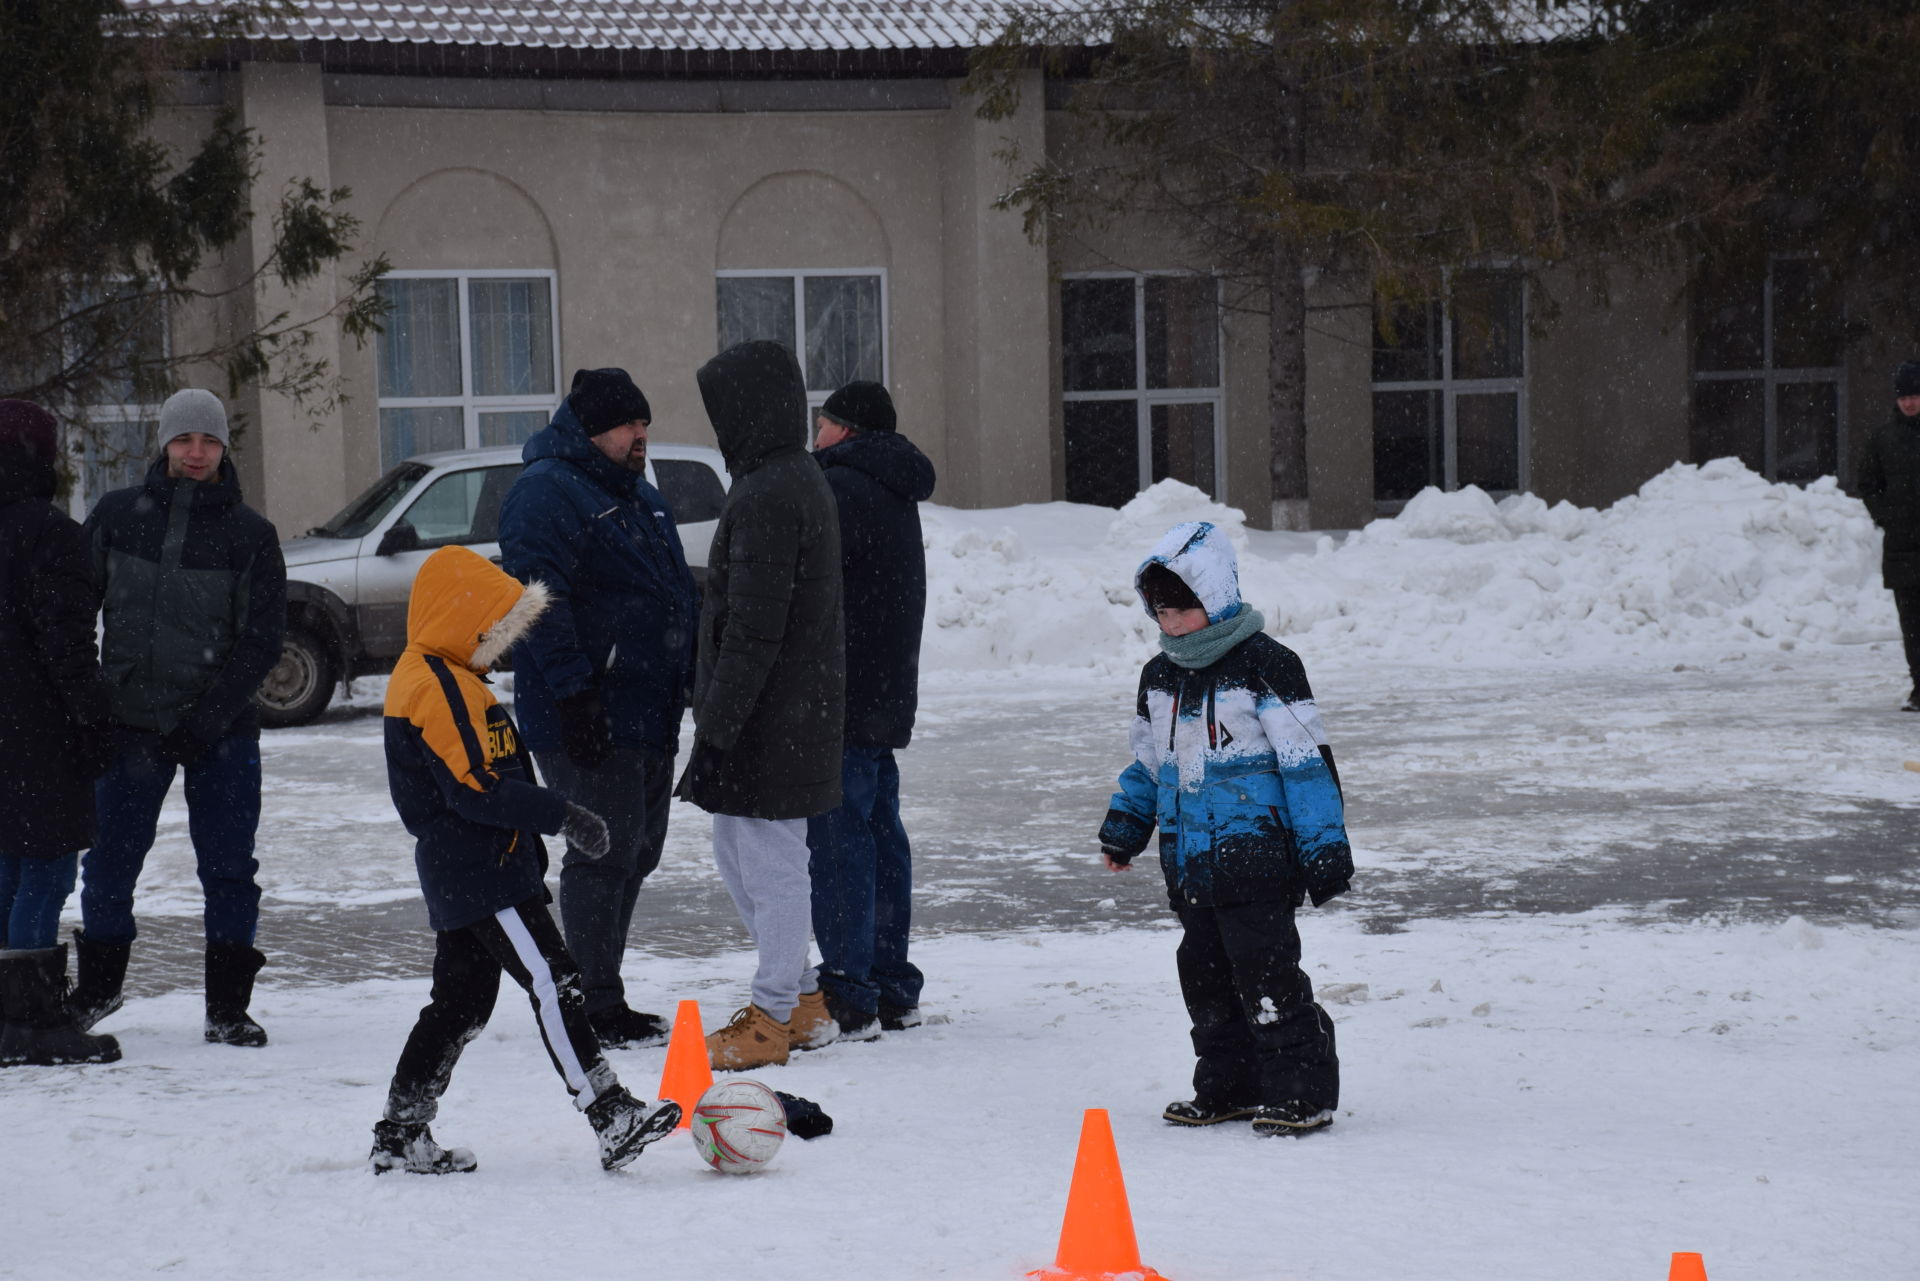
{"type": "Point", "coordinates": [1907, 603]}
{"type": "Point", "coordinates": [524, 942]}
{"type": "Point", "coordinates": [1259, 1036]}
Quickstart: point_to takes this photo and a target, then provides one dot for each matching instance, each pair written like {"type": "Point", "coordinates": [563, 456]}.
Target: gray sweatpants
{"type": "Point", "coordinates": [764, 863]}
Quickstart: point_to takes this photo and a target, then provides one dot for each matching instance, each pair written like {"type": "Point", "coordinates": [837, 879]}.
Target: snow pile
{"type": "Point", "coordinates": [1026, 585]}
{"type": "Point", "coordinates": [1711, 556]}
{"type": "Point", "coordinates": [1707, 556]}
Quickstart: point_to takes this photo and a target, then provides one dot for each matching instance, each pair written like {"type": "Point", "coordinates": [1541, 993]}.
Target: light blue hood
{"type": "Point", "coordinates": [1202, 555]}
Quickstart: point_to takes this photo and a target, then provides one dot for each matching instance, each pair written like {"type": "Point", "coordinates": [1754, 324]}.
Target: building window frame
{"type": "Point", "coordinates": [470, 403]}
{"type": "Point", "coordinates": [1451, 388]}
{"type": "Point", "coordinates": [799, 276]}
{"type": "Point", "coordinates": [93, 478]}
{"type": "Point", "coordinates": [1148, 399]}
{"type": "Point", "coordinates": [1772, 378]}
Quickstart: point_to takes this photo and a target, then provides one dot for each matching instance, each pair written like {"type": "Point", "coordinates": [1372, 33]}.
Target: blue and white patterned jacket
{"type": "Point", "coordinates": [1230, 760]}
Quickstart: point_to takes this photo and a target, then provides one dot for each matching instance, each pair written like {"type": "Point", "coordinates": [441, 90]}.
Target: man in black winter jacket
{"type": "Point", "coordinates": [862, 864]}
{"type": "Point", "coordinates": [195, 611]}
{"type": "Point", "coordinates": [1888, 481]}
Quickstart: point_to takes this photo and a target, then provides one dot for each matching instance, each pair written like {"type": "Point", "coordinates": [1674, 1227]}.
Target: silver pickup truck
{"type": "Point", "coordinates": [348, 580]}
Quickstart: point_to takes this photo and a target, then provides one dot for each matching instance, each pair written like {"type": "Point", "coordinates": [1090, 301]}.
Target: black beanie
{"type": "Point", "coordinates": [29, 428]}
{"type": "Point", "coordinates": [1906, 379]}
{"type": "Point", "coordinates": [863, 406]}
{"type": "Point", "coordinates": [603, 399]}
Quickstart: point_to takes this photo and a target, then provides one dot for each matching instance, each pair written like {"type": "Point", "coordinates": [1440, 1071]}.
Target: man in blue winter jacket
{"type": "Point", "coordinates": [601, 679]}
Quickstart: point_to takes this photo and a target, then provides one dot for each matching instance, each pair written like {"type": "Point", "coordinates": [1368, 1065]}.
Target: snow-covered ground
{"type": "Point", "coordinates": [1630, 966]}
{"type": "Point", "coordinates": [1560, 1098]}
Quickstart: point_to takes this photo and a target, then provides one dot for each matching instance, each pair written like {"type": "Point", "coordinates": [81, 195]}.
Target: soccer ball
{"type": "Point", "coordinates": [737, 1126]}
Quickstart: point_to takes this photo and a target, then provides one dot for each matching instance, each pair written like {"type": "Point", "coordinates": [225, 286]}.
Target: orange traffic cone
{"type": "Point", "coordinates": [1096, 1238]}
{"type": "Point", "coordinates": [687, 1075]}
{"type": "Point", "coordinates": [1687, 1267]}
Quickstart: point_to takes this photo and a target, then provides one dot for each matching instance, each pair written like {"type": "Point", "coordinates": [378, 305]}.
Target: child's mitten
{"type": "Point", "coordinates": [586, 831]}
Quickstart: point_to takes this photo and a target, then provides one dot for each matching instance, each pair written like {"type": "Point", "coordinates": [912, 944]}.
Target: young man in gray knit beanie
{"type": "Point", "coordinates": [195, 611]}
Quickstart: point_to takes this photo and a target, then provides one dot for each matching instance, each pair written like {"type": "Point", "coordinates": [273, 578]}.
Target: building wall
{"type": "Point", "coordinates": [637, 210]}
{"type": "Point", "coordinates": [1339, 404]}
{"type": "Point", "coordinates": [635, 193]}
{"type": "Point", "coordinates": [1135, 244]}
{"type": "Point", "coordinates": [1609, 381]}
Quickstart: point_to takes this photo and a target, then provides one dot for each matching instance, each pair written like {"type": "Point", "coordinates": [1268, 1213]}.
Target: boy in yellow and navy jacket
{"type": "Point", "coordinates": [464, 787]}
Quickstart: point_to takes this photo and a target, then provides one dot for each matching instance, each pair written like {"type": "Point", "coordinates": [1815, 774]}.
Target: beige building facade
{"type": "Point", "coordinates": [542, 215]}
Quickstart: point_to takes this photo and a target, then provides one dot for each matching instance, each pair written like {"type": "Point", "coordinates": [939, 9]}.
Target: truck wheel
{"type": "Point", "coordinates": [301, 684]}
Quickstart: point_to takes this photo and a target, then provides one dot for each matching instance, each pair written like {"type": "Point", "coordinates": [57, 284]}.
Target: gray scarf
{"type": "Point", "coordinates": [1210, 644]}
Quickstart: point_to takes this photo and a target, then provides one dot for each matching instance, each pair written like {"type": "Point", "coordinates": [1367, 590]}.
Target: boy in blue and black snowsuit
{"type": "Point", "coordinates": [1231, 764]}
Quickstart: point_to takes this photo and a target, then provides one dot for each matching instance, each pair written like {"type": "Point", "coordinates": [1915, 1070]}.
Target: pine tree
{"type": "Point", "coordinates": [105, 232]}
{"type": "Point", "coordinates": [1747, 128]}
{"type": "Point", "coordinates": [1385, 140]}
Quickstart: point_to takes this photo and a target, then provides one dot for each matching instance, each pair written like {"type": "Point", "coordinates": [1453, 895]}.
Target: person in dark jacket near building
{"type": "Point", "coordinates": [768, 693]}
{"type": "Point", "coordinates": [601, 679]}
{"type": "Point", "coordinates": [463, 786]}
{"type": "Point", "coordinates": [195, 608]}
{"type": "Point", "coordinates": [1888, 481]}
{"type": "Point", "coordinates": [53, 742]}
{"type": "Point", "coordinates": [862, 863]}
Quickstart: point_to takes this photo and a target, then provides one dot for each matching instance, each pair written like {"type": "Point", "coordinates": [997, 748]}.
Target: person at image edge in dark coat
{"type": "Point", "coordinates": [1888, 482]}
{"type": "Point", "coordinates": [53, 742]}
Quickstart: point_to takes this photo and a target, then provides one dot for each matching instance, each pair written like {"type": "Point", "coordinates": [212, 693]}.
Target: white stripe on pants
{"type": "Point", "coordinates": [547, 997]}
{"type": "Point", "coordinates": [764, 863]}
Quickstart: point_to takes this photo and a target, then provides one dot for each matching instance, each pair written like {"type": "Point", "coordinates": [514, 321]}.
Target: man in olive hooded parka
{"type": "Point", "coordinates": [769, 687]}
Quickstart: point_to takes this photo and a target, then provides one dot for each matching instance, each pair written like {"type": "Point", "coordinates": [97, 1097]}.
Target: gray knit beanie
{"type": "Point", "coordinates": [194, 410]}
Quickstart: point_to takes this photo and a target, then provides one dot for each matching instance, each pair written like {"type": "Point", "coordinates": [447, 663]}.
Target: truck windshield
{"type": "Point", "coordinates": [358, 517]}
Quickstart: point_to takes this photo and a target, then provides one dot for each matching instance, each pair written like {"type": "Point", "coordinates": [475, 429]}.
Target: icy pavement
{"type": "Point", "coordinates": [1754, 787]}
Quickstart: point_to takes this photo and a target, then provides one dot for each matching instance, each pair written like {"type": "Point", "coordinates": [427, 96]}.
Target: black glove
{"type": "Point", "coordinates": [583, 729]}
{"type": "Point", "coordinates": [586, 831]}
{"type": "Point", "coordinates": [94, 747]}
{"type": "Point", "coordinates": [1118, 855]}
{"type": "Point", "coordinates": [183, 747]}
{"type": "Point", "coordinates": [804, 1118]}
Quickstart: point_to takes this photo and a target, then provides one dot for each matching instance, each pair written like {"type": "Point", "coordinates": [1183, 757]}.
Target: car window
{"type": "Point", "coordinates": [692, 490]}
{"type": "Point", "coordinates": [462, 506]}
{"type": "Point", "coordinates": [359, 517]}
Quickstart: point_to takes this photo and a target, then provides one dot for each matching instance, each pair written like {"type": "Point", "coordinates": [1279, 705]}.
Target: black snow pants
{"type": "Point", "coordinates": [1257, 1031]}
{"type": "Point", "coordinates": [1907, 605]}
{"type": "Point", "coordinates": [523, 941]}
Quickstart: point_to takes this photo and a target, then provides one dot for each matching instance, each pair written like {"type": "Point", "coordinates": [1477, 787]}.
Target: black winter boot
{"type": "Point", "coordinates": [38, 1030]}
{"type": "Point", "coordinates": [625, 1125]}
{"type": "Point", "coordinates": [409, 1146]}
{"type": "Point", "coordinates": [102, 973]}
{"type": "Point", "coordinates": [230, 971]}
{"type": "Point", "coordinates": [14, 1033]}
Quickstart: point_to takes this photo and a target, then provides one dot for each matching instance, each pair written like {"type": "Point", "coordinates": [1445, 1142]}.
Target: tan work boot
{"type": "Point", "coordinates": [752, 1038]}
{"type": "Point", "coordinates": [812, 1025]}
